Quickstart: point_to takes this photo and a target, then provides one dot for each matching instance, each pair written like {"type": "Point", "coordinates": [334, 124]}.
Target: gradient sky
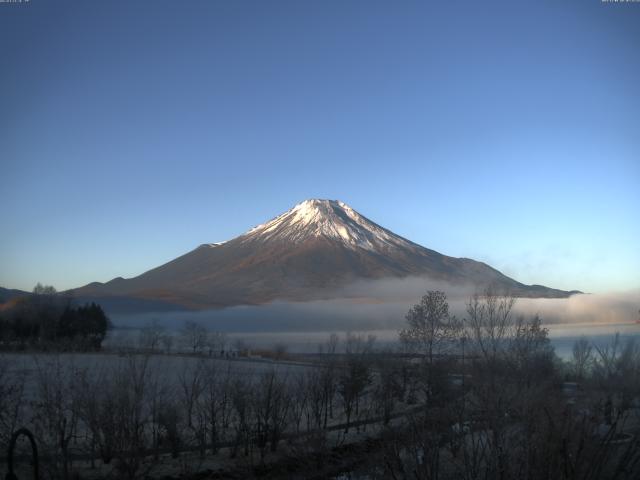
{"type": "Point", "coordinates": [508, 132]}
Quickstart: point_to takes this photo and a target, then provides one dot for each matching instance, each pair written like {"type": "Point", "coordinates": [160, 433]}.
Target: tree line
{"type": "Point", "coordinates": [48, 319]}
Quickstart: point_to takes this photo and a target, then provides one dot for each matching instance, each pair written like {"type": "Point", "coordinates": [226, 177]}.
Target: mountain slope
{"type": "Point", "coordinates": [7, 294]}
{"type": "Point", "coordinates": [308, 252]}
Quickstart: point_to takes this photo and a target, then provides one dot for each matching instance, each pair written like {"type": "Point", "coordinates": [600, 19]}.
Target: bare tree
{"type": "Point", "coordinates": [607, 362]}
{"type": "Point", "coordinates": [195, 335]}
{"type": "Point", "coordinates": [169, 419]}
{"type": "Point", "coordinates": [582, 357]}
{"type": "Point", "coordinates": [12, 389]}
{"type": "Point", "coordinates": [432, 331]}
{"type": "Point", "coordinates": [217, 342]}
{"type": "Point", "coordinates": [129, 398]}
{"type": "Point", "coordinates": [270, 410]}
{"type": "Point", "coordinates": [95, 409]}
{"type": "Point", "coordinates": [354, 378]}
{"type": "Point", "coordinates": [56, 413]}
{"type": "Point", "coordinates": [216, 403]}
{"type": "Point", "coordinates": [317, 394]}
{"type": "Point", "coordinates": [44, 307]}
{"type": "Point", "coordinates": [529, 353]}
{"type": "Point", "coordinates": [151, 335]}
{"type": "Point", "coordinates": [359, 344]}
{"type": "Point", "coordinates": [192, 384]}
{"type": "Point", "coordinates": [616, 369]}
{"type": "Point", "coordinates": [167, 342]}
{"type": "Point", "coordinates": [299, 399]}
{"type": "Point", "coordinates": [489, 322]}
{"type": "Point", "coordinates": [502, 348]}
{"type": "Point", "coordinates": [629, 373]}
{"type": "Point", "coordinates": [332, 343]}
{"type": "Point", "coordinates": [241, 392]}
{"type": "Point", "coordinates": [388, 388]}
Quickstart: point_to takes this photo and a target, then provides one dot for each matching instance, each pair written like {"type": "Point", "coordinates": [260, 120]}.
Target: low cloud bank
{"type": "Point", "coordinates": [619, 307]}
{"type": "Point", "coordinates": [382, 304]}
{"type": "Point", "coordinates": [323, 315]}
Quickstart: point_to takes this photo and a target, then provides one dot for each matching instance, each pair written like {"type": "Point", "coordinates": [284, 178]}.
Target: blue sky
{"type": "Point", "coordinates": [131, 132]}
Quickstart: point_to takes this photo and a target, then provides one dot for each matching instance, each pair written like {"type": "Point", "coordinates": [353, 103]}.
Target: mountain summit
{"type": "Point", "coordinates": [309, 252]}
{"type": "Point", "coordinates": [328, 219]}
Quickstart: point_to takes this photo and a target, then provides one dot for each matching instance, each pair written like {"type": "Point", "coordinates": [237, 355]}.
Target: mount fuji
{"type": "Point", "coordinates": [308, 253]}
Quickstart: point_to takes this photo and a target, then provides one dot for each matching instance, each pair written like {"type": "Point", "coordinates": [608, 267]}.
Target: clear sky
{"type": "Point", "coordinates": [133, 131]}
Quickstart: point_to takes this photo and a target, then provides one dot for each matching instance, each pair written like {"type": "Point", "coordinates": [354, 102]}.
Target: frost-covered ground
{"type": "Point", "coordinates": [166, 368]}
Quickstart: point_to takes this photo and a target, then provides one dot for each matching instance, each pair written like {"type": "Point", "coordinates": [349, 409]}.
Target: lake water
{"type": "Point", "coordinates": [562, 336]}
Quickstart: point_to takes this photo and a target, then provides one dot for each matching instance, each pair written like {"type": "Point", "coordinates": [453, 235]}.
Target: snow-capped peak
{"type": "Point", "coordinates": [330, 219]}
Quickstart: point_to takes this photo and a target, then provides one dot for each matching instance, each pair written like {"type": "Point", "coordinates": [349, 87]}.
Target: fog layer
{"type": "Point", "coordinates": [382, 304]}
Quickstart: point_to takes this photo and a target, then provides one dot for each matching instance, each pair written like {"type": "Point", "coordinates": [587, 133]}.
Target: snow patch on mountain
{"type": "Point", "coordinates": [330, 219]}
{"type": "Point", "coordinates": [213, 245]}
